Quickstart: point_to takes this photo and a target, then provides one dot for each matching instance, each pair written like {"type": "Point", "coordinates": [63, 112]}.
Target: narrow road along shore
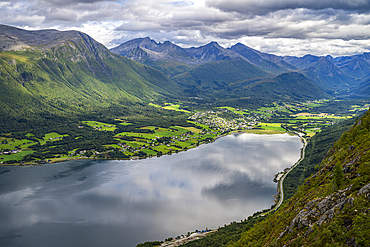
{"type": "Point", "coordinates": [281, 181]}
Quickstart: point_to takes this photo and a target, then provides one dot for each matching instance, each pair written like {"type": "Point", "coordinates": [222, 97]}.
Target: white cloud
{"type": "Point", "coordinates": [289, 27]}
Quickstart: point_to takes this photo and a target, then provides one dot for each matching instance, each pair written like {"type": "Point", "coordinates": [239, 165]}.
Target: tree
{"type": "Point", "coordinates": [338, 175]}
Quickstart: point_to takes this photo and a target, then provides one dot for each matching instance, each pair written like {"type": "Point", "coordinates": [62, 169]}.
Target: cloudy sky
{"type": "Point", "coordinates": [282, 27]}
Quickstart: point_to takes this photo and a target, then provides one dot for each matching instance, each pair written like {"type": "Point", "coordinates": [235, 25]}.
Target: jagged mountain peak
{"type": "Point", "coordinates": [126, 47]}
{"type": "Point", "coordinates": [301, 62]}
{"type": "Point", "coordinates": [242, 46]}
{"type": "Point", "coordinates": [309, 56]}
{"type": "Point", "coordinates": [212, 52]}
{"type": "Point", "coordinates": [213, 44]}
{"type": "Point", "coordinates": [167, 43]}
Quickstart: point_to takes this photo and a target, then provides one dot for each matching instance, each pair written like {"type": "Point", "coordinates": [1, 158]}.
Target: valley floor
{"type": "Point", "coordinates": [125, 139]}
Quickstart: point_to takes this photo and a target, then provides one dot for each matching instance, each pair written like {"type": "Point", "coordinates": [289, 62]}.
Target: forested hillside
{"type": "Point", "coordinates": [317, 148]}
{"type": "Point", "coordinates": [331, 207]}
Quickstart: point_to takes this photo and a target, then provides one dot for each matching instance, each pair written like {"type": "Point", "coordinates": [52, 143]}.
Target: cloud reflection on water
{"type": "Point", "coordinates": [160, 197]}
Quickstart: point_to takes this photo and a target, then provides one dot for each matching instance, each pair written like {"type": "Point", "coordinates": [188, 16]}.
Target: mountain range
{"type": "Point", "coordinates": [51, 74]}
{"type": "Point", "coordinates": [332, 75]}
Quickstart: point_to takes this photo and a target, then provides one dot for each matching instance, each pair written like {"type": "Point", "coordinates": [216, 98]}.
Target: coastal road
{"type": "Point", "coordinates": [281, 181]}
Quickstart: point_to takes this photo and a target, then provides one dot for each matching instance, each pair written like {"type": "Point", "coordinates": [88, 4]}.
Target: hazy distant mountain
{"type": "Point", "coordinates": [324, 72]}
{"type": "Point", "coordinates": [213, 70]}
{"type": "Point", "coordinates": [328, 76]}
{"type": "Point", "coordinates": [301, 62]}
{"type": "Point", "coordinates": [166, 57]}
{"type": "Point", "coordinates": [136, 48]}
{"type": "Point", "coordinates": [287, 86]}
{"type": "Point", "coordinates": [357, 66]}
{"type": "Point", "coordinates": [210, 78]}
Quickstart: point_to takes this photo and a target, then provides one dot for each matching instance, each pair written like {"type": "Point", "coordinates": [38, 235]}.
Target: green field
{"type": "Point", "coordinates": [51, 137]}
{"type": "Point", "coordinates": [232, 109]}
{"type": "Point", "coordinates": [11, 143]}
{"type": "Point", "coordinates": [16, 156]}
{"type": "Point", "coordinates": [270, 126]}
{"type": "Point", "coordinates": [101, 126]}
{"type": "Point", "coordinates": [124, 138]}
{"type": "Point", "coordinates": [170, 106]}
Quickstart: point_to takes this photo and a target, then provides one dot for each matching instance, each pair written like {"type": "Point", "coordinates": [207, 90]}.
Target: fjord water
{"type": "Point", "coordinates": [123, 203]}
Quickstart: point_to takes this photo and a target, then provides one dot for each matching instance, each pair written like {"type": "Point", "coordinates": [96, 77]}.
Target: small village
{"type": "Point", "coordinates": [152, 141]}
{"type": "Point", "coordinates": [214, 121]}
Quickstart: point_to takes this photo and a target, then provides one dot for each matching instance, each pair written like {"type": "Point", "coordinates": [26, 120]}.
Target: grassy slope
{"type": "Point", "coordinates": [297, 222]}
{"type": "Point", "coordinates": [288, 86]}
{"type": "Point", "coordinates": [316, 150]}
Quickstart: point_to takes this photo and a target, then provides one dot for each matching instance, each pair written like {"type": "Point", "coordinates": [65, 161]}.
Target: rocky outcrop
{"type": "Point", "coordinates": [321, 210]}
{"type": "Point", "coordinates": [365, 191]}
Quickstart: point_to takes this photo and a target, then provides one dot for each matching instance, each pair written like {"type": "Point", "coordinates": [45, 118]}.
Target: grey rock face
{"type": "Point", "coordinates": [319, 210]}
{"type": "Point", "coordinates": [365, 191]}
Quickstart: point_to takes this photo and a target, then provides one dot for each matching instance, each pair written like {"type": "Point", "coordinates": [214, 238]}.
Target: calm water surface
{"type": "Point", "coordinates": [123, 203]}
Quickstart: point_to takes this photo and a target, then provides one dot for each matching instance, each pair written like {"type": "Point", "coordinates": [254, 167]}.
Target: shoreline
{"type": "Point", "coordinates": [56, 160]}
{"type": "Point", "coordinates": [284, 174]}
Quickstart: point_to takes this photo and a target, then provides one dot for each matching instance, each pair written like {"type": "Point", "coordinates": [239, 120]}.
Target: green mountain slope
{"type": "Point", "coordinates": [57, 74]}
{"type": "Point", "coordinates": [287, 86]}
{"type": "Point", "coordinates": [208, 78]}
{"type": "Point", "coordinates": [332, 207]}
